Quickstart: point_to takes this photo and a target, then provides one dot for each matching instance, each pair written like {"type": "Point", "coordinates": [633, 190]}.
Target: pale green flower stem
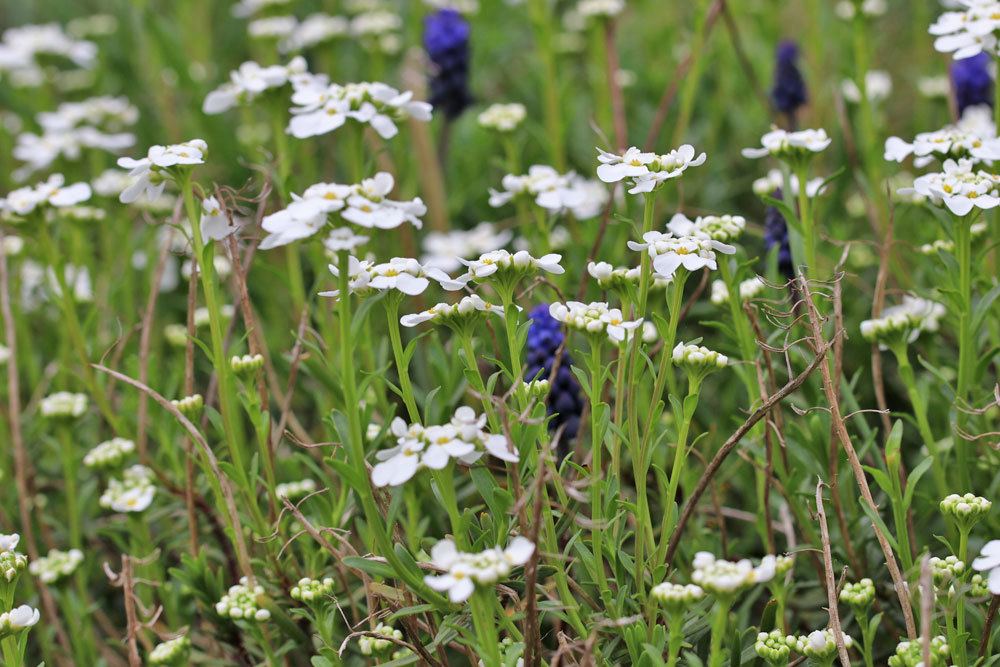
{"type": "Point", "coordinates": [716, 655]}
{"type": "Point", "coordinates": [356, 449]}
{"type": "Point", "coordinates": [482, 604]}
{"type": "Point", "coordinates": [693, 78]}
{"type": "Point", "coordinates": [596, 372]}
{"type": "Point", "coordinates": [67, 303]}
{"type": "Point", "coordinates": [867, 640]}
{"type": "Point", "coordinates": [476, 378]}
{"type": "Point", "coordinates": [543, 23]}
{"type": "Point", "coordinates": [690, 404]}
{"type": "Point", "coordinates": [806, 218]}
{"type": "Point", "coordinates": [920, 414]}
{"type": "Point", "coordinates": [675, 638]}
{"type": "Point", "coordinates": [444, 480]}
{"type": "Point", "coordinates": [961, 656]}
{"type": "Point", "coordinates": [391, 302]}
{"type": "Point", "coordinates": [966, 342]}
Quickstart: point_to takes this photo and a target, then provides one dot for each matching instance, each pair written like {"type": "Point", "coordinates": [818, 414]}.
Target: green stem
{"type": "Point", "coordinates": [402, 367]}
{"type": "Point", "coordinates": [966, 343]}
{"type": "Point", "coordinates": [716, 655]}
{"type": "Point", "coordinates": [680, 456]}
{"type": "Point", "coordinates": [484, 622]}
{"type": "Point", "coordinates": [806, 219]}
{"type": "Point", "coordinates": [596, 470]}
{"type": "Point", "coordinates": [542, 24]}
{"type": "Point", "coordinates": [920, 414]}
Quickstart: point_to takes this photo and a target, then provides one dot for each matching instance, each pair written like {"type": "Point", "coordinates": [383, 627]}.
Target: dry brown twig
{"type": "Point", "coordinates": [831, 585]}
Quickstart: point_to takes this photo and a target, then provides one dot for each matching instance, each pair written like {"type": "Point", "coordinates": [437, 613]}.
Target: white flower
{"type": "Point", "coordinates": [464, 571]}
{"type": "Point", "coordinates": [608, 276]}
{"type": "Point", "coordinates": [406, 275]}
{"type": "Point", "coordinates": [502, 263]}
{"type": "Point", "coordinates": [134, 492]}
{"type": "Point", "coordinates": [989, 561]}
{"type": "Point", "coordinates": [594, 318]}
{"type": "Point", "coordinates": [18, 619]}
{"type": "Point", "coordinates": [723, 228]}
{"type": "Point", "coordinates": [723, 577]}
{"type": "Point", "coordinates": [272, 27]}
{"type": "Point", "coordinates": [313, 30]}
{"type": "Point", "coordinates": [293, 490]}
{"type": "Point", "coordinates": [467, 307]}
{"type": "Point", "coordinates": [247, 8]}
{"type": "Point", "coordinates": [789, 145]}
{"type": "Point", "coordinates": [775, 181]}
{"type": "Point", "coordinates": [370, 207]}
{"type": "Point", "coordinates": [305, 215]}
{"type": "Point", "coordinates": [872, 8]}
{"type": "Point", "coordinates": [9, 542]}
{"type": "Point", "coordinates": [321, 108]}
{"type": "Point", "coordinates": [444, 250]}
{"type": "Point", "coordinates": [555, 192]}
{"type": "Point", "coordinates": [249, 81]}
{"type": "Point", "coordinates": [966, 140]}
{"type": "Point", "coordinates": [600, 8]}
{"type": "Point", "coordinates": [109, 453]}
{"type": "Point", "coordinates": [51, 192]}
{"type": "Point", "coordinates": [646, 171]}
{"type": "Point", "coordinates": [669, 253]}
{"type": "Point", "coordinates": [147, 175]}
{"type": "Point", "coordinates": [969, 32]}
{"type": "Point", "coordinates": [959, 187]}
{"type": "Point", "coordinates": [63, 404]}
{"type": "Point", "coordinates": [502, 117]}
{"type": "Point", "coordinates": [55, 565]}
{"type": "Point", "coordinates": [359, 276]}
{"type": "Point", "coordinates": [343, 238]}
{"type": "Point", "coordinates": [878, 86]}
{"type": "Point", "coordinates": [215, 223]}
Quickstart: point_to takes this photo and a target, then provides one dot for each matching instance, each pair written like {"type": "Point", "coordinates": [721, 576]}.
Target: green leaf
{"type": "Point", "coordinates": [373, 567]}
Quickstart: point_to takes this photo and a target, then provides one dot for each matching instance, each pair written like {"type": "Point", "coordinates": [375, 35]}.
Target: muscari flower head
{"type": "Point", "coordinates": [565, 400]}
{"type": "Point", "coordinates": [446, 39]}
{"type": "Point", "coordinates": [788, 93]}
{"type": "Point", "coordinates": [776, 236]}
{"type": "Point", "coordinates": [972, 82]}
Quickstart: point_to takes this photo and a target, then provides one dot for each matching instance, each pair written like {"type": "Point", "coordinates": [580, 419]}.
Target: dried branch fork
{"type": "Point", "coordinates": [840, 430]}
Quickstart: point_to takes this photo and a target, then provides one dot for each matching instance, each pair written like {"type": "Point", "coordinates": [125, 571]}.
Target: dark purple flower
{"type": "Point", "coordinates": [565, 400]}
{"type": "Point", "coordinates": [446, 39]}
{"type": "Point", "coordinates": [776, 236]}
{"type": "Point", "coordinates": [789, 90]}
{"type": "Point", "coordinates": [972, 82]}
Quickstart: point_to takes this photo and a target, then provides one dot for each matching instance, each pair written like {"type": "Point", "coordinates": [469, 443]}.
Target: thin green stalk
{"type": "Point", "coordinates": [402, 367]}
{"type": "Point", "coordinates": [471, 363]}
{"type": "Point", "coordinates": [445, 482]}
{"type": "Point", "coordinates": [484, 623]}
{"type": "Point", "coordinates": [966, 343]}
{"type": "Point", "coordinates": [920, 414]}
{"type": "Point", "coordinates": [716, 656]}
{"type": "Point", "coordinates": [675, 641]}
{"type": "Point", "coordinates": [596, 471]}
{"type": "Point", "coordinates": [542, 24]}
{"type": "Point", "coordinates": [806, 219]}
{"type": "Point", "coordinates": [680, 456]}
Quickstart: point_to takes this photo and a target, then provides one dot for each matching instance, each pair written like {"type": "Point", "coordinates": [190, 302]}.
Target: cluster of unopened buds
{"type": "Point", "coordinates": [676, 597]}
{"type": "Point", "coordinates": [594, 318]}
{"type": "Point", "coordinates": [911, 653]}
{"type": "Point", "coordinates": [381, 641]}
{"type": "Point", "coordinates": [467, 310]}
{"type": "Point", "coordinates": [858, 594]}
{"type": "Point", "coordinates": [502, 117]}
{"type": "Point", "coordinates": [966, 510]}
{"type": "Point", "coordinates": [63, 405]}
{"type": "Point", "coordinates": [310, 590]}
{"type": "Point", "coordinates": [790, 146]}
{"type": "Point", "coordinates": [109, 454]}
{"type": "Point", "coordinates": [698, 358]}
{"type": "Point", "coordinates": [12, 563]}
{"type": "Point", "coordinates": [243, 602]}
{"type": "Point", "coordinates": [171, 652]}
{"type": "Point", "coordinates": [247, 365]}
{"type": "Point", "coordinates": [295, 490]}
{"type": "Point", "coordinates": [464, 571]}
{"type": "Point", "coordinates": [945, 570]}
{"type": "Point", "coordinates": [820, 645]}
{"type": "Point", "coordinates": [645, 172]}
{"type": "Point", "coordinates": [748, 289]}
{"type": "Point", "coordinates": [55, 565]}
{"type": "Point", "coordinates": [189, 406]}
{"type": "Point", "coordinates": [903, 323]}
{"type": "Point", "coordinates": [722, 228]}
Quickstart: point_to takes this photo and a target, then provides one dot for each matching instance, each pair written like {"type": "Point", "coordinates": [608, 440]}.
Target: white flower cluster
{"type": "Point", "coordinates": [608, 276]}
{"type": "Point", "coordinates": [93, 123]}
{"type": "Point", "coordinates": [969, 31]}
{"type": "Point", "coordinates": [501, 264]}
{"type": "Point", "coordinates": [321, 107]}
{"type": "Point", "coordinates": [171, 652]}
{"type": "Point", "coordinates": [959, 187]}
{"type": "Point", "coordinates": [17, 620]}
{"type": "Point", "coordinates": [63, 404]}
{"type": "Point", "coordinates": [403, 274]}
{"type": "Point", "coordinates": [556, 193]}
{"type": "Point", "coordinates": [748, 289]}
{"type": "Point", "coordinates": [147, 176]}
{"type": "Point", "coordinates": [600, 8]}
{"type": "Point", "coordinates": [444, 250]}
{"type": "Point", "coordinates": [55, 565]}
{"type": "Point", "coordinates": [775, 180]}
{"type": "Point", "coordinates": [369, 645]}
{"type": "Point", "coordinates": [698, 357]}
{"type": "Point", "coordinates": [464, 571]}
{"type": "Point", "coordinates": [295, 490]}
{"type": "Point", "coordinates": [644, 172]}
{"type": "Point", "coordinates": [904, 322]}
{"type": "Point", "coordinates": [947, 245]}
{"type": "Point", "coordinates": [467, 309]}
{"type": "Point", "coordinates": [724, 578]}
{"type": "Point", "coordinates": [378, 30]}
{"type": "Point", "coordinates": [670, 252]}
{"type": "Point", "coordinates": [21, 48]}
{"type": "Point", "coordinates": [365, 204]}
{"type": "Point", "coordinates": [945, 570]}
{"type": "Point", "coordinates": [951, 141]}
{"type": "Point", "coordinates": [846, 9]}
{"type": "Point", "coordinates": [878, 87]}
{"type": "Point", "coordinates": [250, 80]}
{"type": "Point", "coordinates": [23, 201]}
{"type": "Point", "coordinates": [309, 590]}
{"type": "Point", "coordinates": [248, 8]}
{"type": "Point", "coordinates": [109, 454]}
{"type": "Point", "coordinates": [786, 145]}
{"type": "Point", "coordinates": [313, 30]}
{"type": "Point", "coordinates": [433, 447]}
{"type": "Point", "coordinates": [12, 563]}
{"type": "Point", "coordinates": [722, 228]}
{"type": "Point", "coordinates": [503, 117]}
{"type": "Point", "coordinates": [133, 492]}
{"type": "Point", "coordinates": [243, 602]}
{"type": "Point", "coordinates": [594, 318]}
{"type": "Point", "coordinates": [271, 27]}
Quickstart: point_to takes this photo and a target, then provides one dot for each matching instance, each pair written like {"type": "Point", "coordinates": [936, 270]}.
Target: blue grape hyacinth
{"type": "Point", "coordinates": [565, 400]}
{"type": "Point", "coordinates": [788, 93]}
{"type": "Point", "coordinates": [446, 39]}
{"type": "Point", "coordinates": [972, 82]}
